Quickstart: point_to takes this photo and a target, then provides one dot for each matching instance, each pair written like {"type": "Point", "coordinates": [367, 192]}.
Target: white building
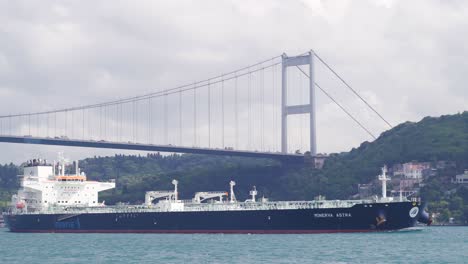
{"type": "Point", "coordinates": [414, 170]}
{"type": "Point", "coordinates": [461, 178]}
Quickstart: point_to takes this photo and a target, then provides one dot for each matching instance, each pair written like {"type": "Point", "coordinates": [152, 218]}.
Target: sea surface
{"type": "Point", "coordinates": [425, 245]}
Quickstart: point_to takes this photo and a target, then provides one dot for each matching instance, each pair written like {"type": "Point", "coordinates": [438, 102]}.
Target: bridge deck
{"type": "Point", "coordinates": [147, 147]}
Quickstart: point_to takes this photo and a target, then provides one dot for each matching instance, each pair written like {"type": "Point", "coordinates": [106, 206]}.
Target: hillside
{"type": "Point", "coordinates": [8, 182]}
{"type": "Point", "coordinates": [431, 139]}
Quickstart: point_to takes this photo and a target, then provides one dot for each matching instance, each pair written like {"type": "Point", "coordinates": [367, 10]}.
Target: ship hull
{"type": "Point", "coordinates": [359, 218]}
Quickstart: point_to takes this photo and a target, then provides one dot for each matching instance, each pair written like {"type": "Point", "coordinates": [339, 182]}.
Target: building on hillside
{"type": "Point", "coordinates": [319, 160]}
{"type": "Point", "coordinates": [416, 170]}
{"type": "Point", "coordinates": [442, 164]}
{"type": "Point", "coordinates": [461, 178]}
{"type": "Point", "coordinates": [397, 170]}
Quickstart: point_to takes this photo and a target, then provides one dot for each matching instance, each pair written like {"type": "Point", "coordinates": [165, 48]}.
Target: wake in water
{"type": "Point", "coordinates": [406, 230]}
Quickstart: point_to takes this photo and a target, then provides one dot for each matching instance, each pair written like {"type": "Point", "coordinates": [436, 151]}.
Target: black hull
{"type": "Point", "coordinates": [359, 218]}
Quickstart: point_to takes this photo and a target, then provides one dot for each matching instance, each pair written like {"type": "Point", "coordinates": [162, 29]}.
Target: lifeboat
{"type": "Point", "coordinates": [71, 178]}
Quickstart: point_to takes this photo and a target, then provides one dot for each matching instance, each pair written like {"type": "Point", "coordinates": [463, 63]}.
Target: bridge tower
{"type": "Point", "coordinates": [306, 59]}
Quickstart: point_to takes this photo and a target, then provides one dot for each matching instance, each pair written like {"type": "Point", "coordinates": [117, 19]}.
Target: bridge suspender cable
{"type": "Point", "coordinates": [194, 115]}
{"type": "Point", "coordinates": [354, 91]}
{"type": "Point", "coordinates": [236, 117]}
{"type": "Point", "coordinates": [222, 113]}
{"type": "Point", "coordinates": [180, 118]}
{"type": "Point", "coordinates": [339, 105]}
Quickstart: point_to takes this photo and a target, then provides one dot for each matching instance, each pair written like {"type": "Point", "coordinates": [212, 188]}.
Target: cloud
{"type": "Point", "coordinates": [406, 58]}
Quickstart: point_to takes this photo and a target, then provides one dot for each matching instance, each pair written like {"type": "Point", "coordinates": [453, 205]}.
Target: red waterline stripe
{"type": "Point", "coordinates": [199, 231]}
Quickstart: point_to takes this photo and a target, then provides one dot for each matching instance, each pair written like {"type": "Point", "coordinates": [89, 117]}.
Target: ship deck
{"type": "Point", "coordinates": [189, 206]}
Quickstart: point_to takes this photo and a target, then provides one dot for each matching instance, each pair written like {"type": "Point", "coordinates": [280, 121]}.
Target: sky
{"type": "Point", "coordinates": [406, 58]}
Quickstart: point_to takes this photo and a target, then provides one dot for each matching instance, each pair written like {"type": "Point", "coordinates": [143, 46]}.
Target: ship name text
{"type": "Point", "coordinates": [328, 215]}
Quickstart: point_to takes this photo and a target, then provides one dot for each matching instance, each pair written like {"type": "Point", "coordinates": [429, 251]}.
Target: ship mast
{"type": "Point", "coordinates": [253, 193]}
{"type": "Point", "coordinates": [233, 197]}
{"type": "Point", "coordinates": [383, 178]}
{"type": "Point", "coordinates": [175, 182]}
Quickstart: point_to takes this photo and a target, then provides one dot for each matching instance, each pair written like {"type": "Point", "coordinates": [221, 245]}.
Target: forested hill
{"type": "Point", "coordinates": [8, 182]}
{"type": "Point", "coordinates": [431, 139]}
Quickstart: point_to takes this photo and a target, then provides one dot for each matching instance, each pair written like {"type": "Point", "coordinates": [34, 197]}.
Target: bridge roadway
{"type": "Point", "coordinates": [148, 147]}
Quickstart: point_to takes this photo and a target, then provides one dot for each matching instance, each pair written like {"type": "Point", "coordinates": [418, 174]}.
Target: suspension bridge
{"type": "Point", "coordinates": [245, 112]}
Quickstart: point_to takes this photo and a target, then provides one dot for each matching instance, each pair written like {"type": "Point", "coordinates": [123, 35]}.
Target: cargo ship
{"type": "Point", "coordinates": [50, 200]}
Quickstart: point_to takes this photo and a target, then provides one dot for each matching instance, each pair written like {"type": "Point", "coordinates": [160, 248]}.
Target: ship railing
{"type": "Point", "coordinates": [31, 178]}
{"type": "Point", "coordinates": [194, 207]}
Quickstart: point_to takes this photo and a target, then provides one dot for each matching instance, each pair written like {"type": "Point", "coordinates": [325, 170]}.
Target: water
{"type": "Point", "coordinates": [428, 245]}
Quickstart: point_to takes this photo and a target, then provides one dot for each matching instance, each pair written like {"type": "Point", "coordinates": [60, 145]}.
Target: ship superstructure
{"type": "Point", "coordinates": [51, 201]}
{"type": "Point", "coordinates": [45, 186]}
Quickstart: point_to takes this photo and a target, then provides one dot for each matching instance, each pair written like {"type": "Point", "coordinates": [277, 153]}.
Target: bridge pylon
{"type": "Point", "coordinates": [296, 61]}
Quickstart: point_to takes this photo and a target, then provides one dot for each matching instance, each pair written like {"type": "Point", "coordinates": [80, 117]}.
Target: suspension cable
{"type": "Point", "coordinates": [354, 91]}
{"type": "Point", "coordinates": [338, 104]}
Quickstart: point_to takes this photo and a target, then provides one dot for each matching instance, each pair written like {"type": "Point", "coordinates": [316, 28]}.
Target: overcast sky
{"type": "Point", "coordinates": [407, 58]}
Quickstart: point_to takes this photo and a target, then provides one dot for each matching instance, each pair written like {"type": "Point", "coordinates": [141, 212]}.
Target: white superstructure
{"type": "Point", "coordinates": [45, 185]}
